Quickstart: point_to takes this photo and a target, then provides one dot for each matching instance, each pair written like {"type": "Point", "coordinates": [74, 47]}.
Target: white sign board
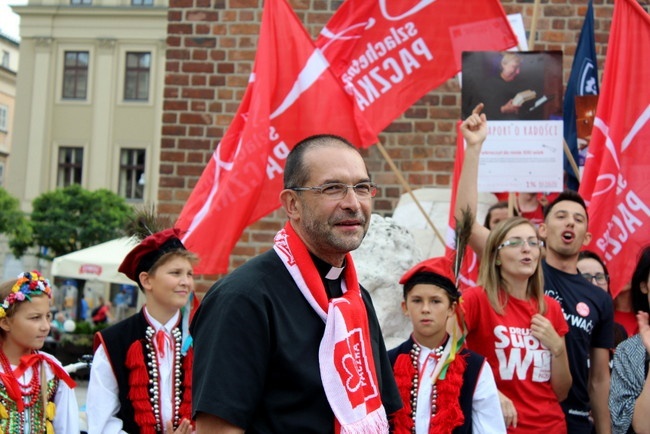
{"type": "Point", "coordinates": [522, 156]}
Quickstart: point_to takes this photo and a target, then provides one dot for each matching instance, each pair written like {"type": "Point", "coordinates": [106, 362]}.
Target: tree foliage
{"type": "Point", "coordinates": [13, 222]}
{"type": "Point", "coordinates": [72, 218]}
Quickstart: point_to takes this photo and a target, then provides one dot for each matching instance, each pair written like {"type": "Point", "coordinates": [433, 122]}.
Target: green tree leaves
{"type": "Point", "coordinates": [66, 220]}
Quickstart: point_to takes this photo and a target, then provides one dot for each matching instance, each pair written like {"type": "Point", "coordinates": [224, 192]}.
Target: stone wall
{"type": "Point", "coordinates": [211, 47]}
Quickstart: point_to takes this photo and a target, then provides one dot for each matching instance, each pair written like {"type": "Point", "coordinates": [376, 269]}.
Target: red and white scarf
{"type": "Point", "coordinates": [346, 364]}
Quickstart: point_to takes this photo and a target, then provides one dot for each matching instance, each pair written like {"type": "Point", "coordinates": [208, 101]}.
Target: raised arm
{"type": "Point", "coordinates": [474, 130]}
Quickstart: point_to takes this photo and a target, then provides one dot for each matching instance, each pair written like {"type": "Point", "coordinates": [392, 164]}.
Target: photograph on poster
{"type": "Point", "coordinates": [513, 85]}
{"type": "Point", "coordinates": [522, 97]}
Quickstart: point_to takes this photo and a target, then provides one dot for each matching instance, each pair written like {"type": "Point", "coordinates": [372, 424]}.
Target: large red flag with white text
{"type": "Point", "coordinates": [291, 95]}
{"type": "Point", "coordinates": [389, 54]}
{"type": "Point", "coordinates": [615, 182]}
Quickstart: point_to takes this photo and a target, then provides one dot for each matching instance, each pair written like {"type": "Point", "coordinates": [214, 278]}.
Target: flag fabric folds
{"type": "Point", "coordinates": [389, 54]}
{"type": "Point", "coordinates": [582, 81]}
{"type": "Point", "coordinates": [291, 95]}
{"type": "Point", "coordinates": [615, 182]}
{"type": "Point", "coordinates": [374, 59]}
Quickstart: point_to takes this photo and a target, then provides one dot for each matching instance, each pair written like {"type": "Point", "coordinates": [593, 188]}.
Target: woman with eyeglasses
{"type": "Point", "coordinates": [519, 330]}
{"type": "Point", "coordinates": [592, 268]}
{"type": "Point", "coordinates": [629, 397]}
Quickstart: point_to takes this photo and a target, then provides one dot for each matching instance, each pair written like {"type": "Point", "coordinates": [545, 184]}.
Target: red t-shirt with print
{"type": "Point", "coordinates": [521, 364]}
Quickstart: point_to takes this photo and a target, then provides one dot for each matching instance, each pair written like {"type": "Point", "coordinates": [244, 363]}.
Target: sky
{"type": "Point", "coordinates": [9, 21]}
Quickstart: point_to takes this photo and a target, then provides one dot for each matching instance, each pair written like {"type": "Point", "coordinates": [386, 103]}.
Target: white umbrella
{"type": "Point", "coordinates": [98, 262]}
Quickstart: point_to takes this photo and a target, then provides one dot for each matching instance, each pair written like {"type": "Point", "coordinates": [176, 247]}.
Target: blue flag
{"type": "Point", "coordinates": [582, 81]}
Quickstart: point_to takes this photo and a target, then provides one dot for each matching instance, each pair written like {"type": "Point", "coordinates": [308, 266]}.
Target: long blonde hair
{"type": "Point", "coordinates": [489, 276]}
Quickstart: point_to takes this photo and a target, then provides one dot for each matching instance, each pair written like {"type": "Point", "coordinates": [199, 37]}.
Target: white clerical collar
{"type": "Point", "coordinates": [334, 273]}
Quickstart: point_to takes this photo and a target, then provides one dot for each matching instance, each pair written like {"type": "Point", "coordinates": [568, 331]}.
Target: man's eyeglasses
{"type": "Point", "coordinates": [519, 242]}
{"type": "Point", "coordinates": [601, 278]}
{"type": "Point", "coordinates": [338, 190]}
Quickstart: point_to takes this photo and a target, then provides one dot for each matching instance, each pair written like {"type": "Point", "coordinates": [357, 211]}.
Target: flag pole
{"type": "Point", "coordinates": [572, 160]}
{"type": "Point", "coordinates": [533, 26]}
{"type": "Point", "coordinates": [408, 189]}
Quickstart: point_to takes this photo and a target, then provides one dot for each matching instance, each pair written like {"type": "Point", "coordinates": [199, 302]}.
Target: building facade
{"type": "Point", "coordinates": [8, 71]}
{"type": "Point", "coordinates": [89, 97]}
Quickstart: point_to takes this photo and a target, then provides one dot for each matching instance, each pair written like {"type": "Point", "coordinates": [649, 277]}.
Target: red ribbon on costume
{"type": "Point", "coordinates": [162, 338]}
{"type": "Point", "coordinates": [30, 360]}
{"type": "Point", "coordinates": [10, 379]}
{"type": "Point", "coordinates": [13, 389]}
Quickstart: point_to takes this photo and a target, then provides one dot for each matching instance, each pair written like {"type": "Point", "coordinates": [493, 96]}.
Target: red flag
{"type": "Point", "coordinates": [615, 182]}
{"type": "Point", "coordinates": [291, 95]}
{"type": "Point", "coordinates": [469, 269]}
{"type": "Point", "coordinates": [388, 54]}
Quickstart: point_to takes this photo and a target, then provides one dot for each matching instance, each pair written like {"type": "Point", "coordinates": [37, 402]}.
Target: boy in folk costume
{"type": "Point", "coordinates": [444, 389]}
{"type": "Point", "coordinates": [36, 394]}
{"type": "Point", "coordinates": [140, 381]}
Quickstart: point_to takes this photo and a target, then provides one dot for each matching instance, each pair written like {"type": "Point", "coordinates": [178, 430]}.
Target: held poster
{"type": "Point", "coordinates": [522, 94]}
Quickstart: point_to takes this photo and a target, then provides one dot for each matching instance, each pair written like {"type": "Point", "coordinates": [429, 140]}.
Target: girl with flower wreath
{"type": "Point", "coordinates": [140, 380]}
{"type": "Point", "coordinates": [444, 388]}
{"type": "Point", "coordinates": [36, 394]}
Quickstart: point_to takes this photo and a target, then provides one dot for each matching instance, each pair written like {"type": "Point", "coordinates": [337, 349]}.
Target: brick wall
{"type": "Point", "coordinates": [211, 47]}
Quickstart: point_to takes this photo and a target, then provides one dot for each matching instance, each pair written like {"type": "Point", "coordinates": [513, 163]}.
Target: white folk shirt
{"type": "Point", "coordinates": [66, 418]}
{"type": "Point", "coordinates": [103, 402]}
{"type": "Point", "coordinates": [487, 417]}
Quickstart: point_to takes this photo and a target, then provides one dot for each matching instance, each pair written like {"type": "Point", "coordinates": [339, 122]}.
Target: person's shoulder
{"type": "Point", "coordinates": [587, 291]}
{"type": "Point", "coordinates": [550, 271]}
{"type": "Point", "coordinates": [403, 347]}
{"type": "Point", "coordinates": [472, 358]}
{"type": "Point", "coordinates": [472, 293]}
{"type": "Point", "coordinates": [631, 345]}
{"type": "Point", "coordinates": [250, 278]}
{"type": "Point", "coordinates": [50, 357]}
{"type": "Point", "coordinates": [605, 302]}
{"type": "Point", "coordinates": [552, 304]}
{"type": "Point", "coordinates": [365, 295]}
{"type": "Point", "coordinates": [264, 265]}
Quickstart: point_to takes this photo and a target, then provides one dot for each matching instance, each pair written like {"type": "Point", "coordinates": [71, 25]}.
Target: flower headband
{"type": "Point", "coordinates": [28, 284]}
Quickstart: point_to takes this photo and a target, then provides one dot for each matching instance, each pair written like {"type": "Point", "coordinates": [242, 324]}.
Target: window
{"type": "Point", "coordinates": [141, 2]}
{"type": "Point", "coordinates": [136, 83]}
{"type": "Point", "coordinates": [81, 2]}
{"type": "Point", "coordinates": [5, 59]}
{"type": "Point", "coordinates": [70, 166]}
{"type": "Point", "coordinates": [132, 174]}
{"type": "Point", "coordinates": [75, 74]}
{"type": "Point", "coordinates": [4, 117]}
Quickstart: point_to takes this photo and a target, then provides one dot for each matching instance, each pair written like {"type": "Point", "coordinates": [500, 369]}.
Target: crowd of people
{"type": "Point", "coordinates": [290, 342]}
